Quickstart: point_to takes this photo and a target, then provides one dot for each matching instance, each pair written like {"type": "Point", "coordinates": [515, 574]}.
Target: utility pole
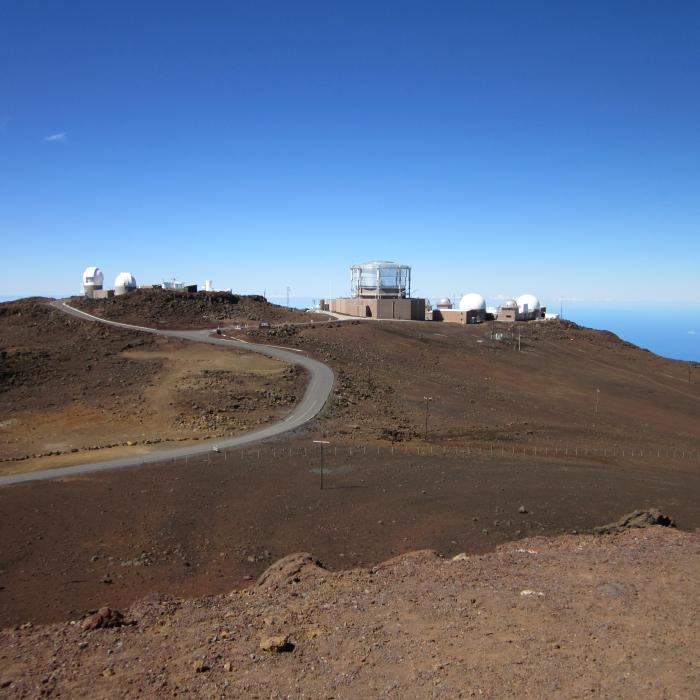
{"type": "Point", "coordinates": [428, 399]}
{"type": "Point", "coordinates": [322, 443]}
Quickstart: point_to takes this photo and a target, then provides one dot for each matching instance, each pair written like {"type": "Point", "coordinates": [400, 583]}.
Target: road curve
{"type": "Point", "coordinates": [317, 392]}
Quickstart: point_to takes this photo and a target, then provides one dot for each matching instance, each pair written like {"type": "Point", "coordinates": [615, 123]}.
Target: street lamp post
{"type": "Point", "coordinates": [322, 443]}
{"type": "Point", "coordinates": [428, 399]}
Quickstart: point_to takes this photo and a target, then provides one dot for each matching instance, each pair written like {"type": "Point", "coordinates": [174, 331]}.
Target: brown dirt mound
{"type": "Point", "coordinates": [162, 308]}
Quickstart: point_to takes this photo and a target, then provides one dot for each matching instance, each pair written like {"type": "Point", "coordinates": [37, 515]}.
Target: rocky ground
{"type": "Point", "coordinates": [161, 308]}
{"type": "Point", "coordinates": [569, 617]}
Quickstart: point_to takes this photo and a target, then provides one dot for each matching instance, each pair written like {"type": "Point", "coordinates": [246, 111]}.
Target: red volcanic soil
{"type": "Point", "coordinates": [608, 616]}
{"type": "Point", "coordinates": [203, 527]}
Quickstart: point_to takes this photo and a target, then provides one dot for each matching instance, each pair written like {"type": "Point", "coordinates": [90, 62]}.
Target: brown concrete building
{"type": "Point", "coordinates": [459, 315]}
{"type": "Point", "coordinates": [401, 309]}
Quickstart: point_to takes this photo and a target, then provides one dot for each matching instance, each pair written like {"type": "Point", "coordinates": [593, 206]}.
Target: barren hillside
{"type": "Point", "coordinates": [75, 390]}
{"type": "Point", "coordinates": [567, 385]}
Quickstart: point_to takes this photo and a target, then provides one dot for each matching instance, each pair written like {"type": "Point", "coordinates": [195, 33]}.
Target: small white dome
{"type": "Point", "coordinates": [509, 304]}
{"type": "Point", "coordinates": [445, 303]}
{"type": "Point", "coordinates": [472, 302]}
{"type": "Point", "coordinates": [93, 276]}
{"type": "Point", "coordinates": [529, 300]}
{"type": "Point", "coordinates": [125, 280]}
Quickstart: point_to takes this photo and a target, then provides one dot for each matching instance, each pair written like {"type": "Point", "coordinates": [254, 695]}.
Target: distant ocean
{"type": "Point", "coordinates": [672, 331]}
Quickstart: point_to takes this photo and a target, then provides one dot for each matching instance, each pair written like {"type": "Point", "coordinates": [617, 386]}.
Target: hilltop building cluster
{"type": "Point", "coordinates": [382, 289]}
{"type": "Point", "coordinates": [92, 285]}
{"type": "Point", "coordinates": [379, 289]}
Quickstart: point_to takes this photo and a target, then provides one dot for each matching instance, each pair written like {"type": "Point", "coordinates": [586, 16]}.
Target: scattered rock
{"type": "Point", "coordinates": [199, 666]}
{"type": "Point", "coordinates": [278, 643]}
{"type": "Point", "coordinates": [637, 518]}
{"type": "Point", "coordinates": [522, 509]}
{"type": "Point", "coordinates": [103, 618]}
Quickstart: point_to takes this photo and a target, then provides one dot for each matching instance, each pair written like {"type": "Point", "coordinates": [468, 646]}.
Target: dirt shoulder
{"type": "Point", "coordinates": [162, 308]}
{"type": "Point", "coordinates": [614, 616]}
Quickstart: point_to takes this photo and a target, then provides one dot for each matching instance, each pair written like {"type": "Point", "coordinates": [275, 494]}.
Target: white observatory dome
{"type": "Point", "coordinates": [124, 281]}
{"type": "Point", "coordinates": [529, 300]}
{"type": "Point", "coordinates": [472, 302]}
{"type": "Point", "coordinates": [509, 304]}
{"type": "Point", "coordinates": [92, 279]}
{"type": "Point", "coordinates": [444, 303]}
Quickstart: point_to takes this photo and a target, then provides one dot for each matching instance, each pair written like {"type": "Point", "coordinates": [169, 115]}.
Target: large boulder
{"type": "Point", "coordinates": [637, 518]}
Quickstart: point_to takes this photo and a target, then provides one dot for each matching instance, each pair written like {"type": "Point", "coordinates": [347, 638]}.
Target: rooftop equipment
{"type": "Point", "coordinates": [380, 279]}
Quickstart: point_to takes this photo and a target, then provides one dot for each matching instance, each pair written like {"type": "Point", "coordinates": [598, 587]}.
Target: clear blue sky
{"type": "Point", "coordinates": [499, 147]}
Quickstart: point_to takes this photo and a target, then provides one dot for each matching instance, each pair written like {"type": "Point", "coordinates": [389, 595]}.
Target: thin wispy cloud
{"type": "Point", "coordinates": [59, 137]}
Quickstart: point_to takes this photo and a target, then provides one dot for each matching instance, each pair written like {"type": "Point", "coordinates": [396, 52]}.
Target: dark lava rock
{"type": "Point", "coordinates": [637, 518]}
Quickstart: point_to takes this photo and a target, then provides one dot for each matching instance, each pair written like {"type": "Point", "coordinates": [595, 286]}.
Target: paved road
{"type": "Point", "coordinates": [315, 397]}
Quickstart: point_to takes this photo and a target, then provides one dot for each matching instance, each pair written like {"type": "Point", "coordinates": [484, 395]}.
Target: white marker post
{"type": "Point", "coordinates": [322, 443]}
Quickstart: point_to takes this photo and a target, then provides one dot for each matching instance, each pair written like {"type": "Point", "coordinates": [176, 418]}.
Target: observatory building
{"type": "Point", "coordinates": [380, 289]}
{"type": "Point", "coordinates": [528, 307]}
{"type": "Point", "coordinates": [525, 308]}
{"type": "Point", "coordinates": [124, 283]}
{"type": "Point", "coordinates": [92, 280]}
{"type": "Point", "coordinates": [471, 309]}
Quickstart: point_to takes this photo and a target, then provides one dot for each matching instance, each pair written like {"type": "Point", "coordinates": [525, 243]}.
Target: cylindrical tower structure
{"type": "Point", "coordinates": [380, 279]}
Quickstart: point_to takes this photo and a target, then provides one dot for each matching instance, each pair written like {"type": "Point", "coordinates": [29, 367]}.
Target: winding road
{"type": "Point", "coordinates": [317, 392]}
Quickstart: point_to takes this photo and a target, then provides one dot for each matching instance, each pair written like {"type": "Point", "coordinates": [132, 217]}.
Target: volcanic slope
{"type": "Point", "coordinates": [75, 390]}
{"type": "Point", "coordinates": [567, 385]}
{"type": "Point", "coordinates": [162, 308]}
